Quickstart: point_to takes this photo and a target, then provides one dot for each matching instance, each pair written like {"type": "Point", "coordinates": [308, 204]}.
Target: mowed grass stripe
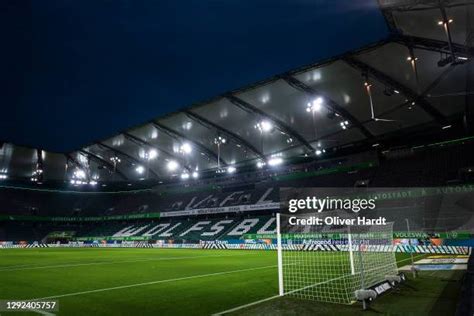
{"type": "Point", "coordinates": [20, 268]}
{"type": "Point", "coordinates": [26, 284]}
{"type": "Point", "coordinates": [154, 282]}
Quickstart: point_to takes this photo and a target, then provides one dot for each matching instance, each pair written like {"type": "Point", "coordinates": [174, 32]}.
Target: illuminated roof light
{"type": "Point", "coordinates": [446, 127]}
{"type": "Point", "coordinates": [231, 169]}
{"type": "Point", "coordinates": [152, 154]}
{"type": "Point", "coordinates": [172, 165]}
{"type": "Point", "coordinates": [409, 58]}
{"type": "Point", "coordinates": [396, 91]}
{"type": "Point", "coordinates": [79, 173]}
{"type": "Point", "coordinates": [260, 164]}
{"type": "Point", "coordinates": [186, 148]}
{"type": "Point", "coordinates": [187, 125]}
{"type": "Point", "coordinates": [219, 140]}
{"type": "Point", "coordinates": [275, 161]}
{"type": "Point", "coordinates": [344, 124]}
{"type": "Point", "coordinates": [115, 159]}
{"type": "Point", "coordinates": [318, 152]}
{"type": "Point", "coordinates": [185, 176]}
{"type": "Point", "coordinates": [315, 105]}
{"type": "Point", "coordinates": [450, 21]}
{"type": "Point", "coordinates": [195, 175]}
{"type": "Point", "coordinates": [440, 22]}
{"type": "Point", "coordinates": [93, 182]}
{"type": "Point", "coordinates": [140, 169]}
{"type": "Point", "coordinates": [264, 126]}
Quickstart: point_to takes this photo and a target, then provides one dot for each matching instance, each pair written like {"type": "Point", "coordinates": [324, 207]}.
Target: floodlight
{"type": "Point", "coordinates": [172, 165]}
{"type": "Point", "coordinates": [264, 126]}
{"type": "Point", "coordinates": [139, 169]}
{"type": "Point", "coordinates": [275, 161]}
{"type": "Point", "coordinates": [80, 174]}
{"type": "Point", "coordinates": [315, 105]}
{"type": "Point", "coordinates": [219, 140]}
{"type": "Point", "coordinates": [186, 148]}
{"type": "Point", "coordinates": [195, 175]}
{"type": "Point", "coordinates": [231, 169]}
{"type": "Point", "coordinates": [152, 154]}
{"type": "Point", "coordinates": [318, 152]}
{"type": "Point", "coordinates": [185, 176]}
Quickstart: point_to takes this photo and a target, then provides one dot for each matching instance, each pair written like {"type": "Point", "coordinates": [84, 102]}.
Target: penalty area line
{"type": "Point", "coordinates": [43, 312]}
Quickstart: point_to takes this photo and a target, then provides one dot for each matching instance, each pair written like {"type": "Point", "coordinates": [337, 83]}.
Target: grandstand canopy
{"type": "Point", "coordinates": [420, 77]}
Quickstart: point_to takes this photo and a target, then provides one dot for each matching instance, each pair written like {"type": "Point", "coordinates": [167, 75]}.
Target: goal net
{"type": "Point", "coordinates": [329, 263]}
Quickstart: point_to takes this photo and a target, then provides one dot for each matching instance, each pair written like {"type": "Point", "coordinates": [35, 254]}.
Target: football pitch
{"type": "Point", "coordinates": [99, 281]}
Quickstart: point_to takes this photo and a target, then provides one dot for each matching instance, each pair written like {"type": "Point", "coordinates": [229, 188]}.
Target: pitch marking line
{"type": "Point", "coordinates": [42, 312]}
{"type": "Point", "coordinates": [20, 268]}
{"type": "Point", "coordinates": [152, 283]}
{"type": "Point", "coordinates": [297, 290]}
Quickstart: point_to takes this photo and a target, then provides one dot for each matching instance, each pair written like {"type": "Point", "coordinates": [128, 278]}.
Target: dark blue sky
{"type": "Point", "coordinates": [74, 71]}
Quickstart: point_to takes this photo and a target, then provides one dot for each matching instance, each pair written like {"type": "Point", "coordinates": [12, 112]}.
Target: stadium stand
{"type": "Point", "coordinates": [434, 165]}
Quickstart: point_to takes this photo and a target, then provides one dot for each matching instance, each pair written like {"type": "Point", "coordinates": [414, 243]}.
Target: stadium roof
{"type": "Point", "coordinates": [415, 79]}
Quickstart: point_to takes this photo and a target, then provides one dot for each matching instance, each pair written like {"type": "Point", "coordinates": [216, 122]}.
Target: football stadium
{"type": "Point", "coordinates": [342, 187]}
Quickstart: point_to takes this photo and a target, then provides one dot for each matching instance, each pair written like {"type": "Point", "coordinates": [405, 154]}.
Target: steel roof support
{"type": "Point", "coordinates": [237, 139]}
{"type": "Point", "coordinates": [389, 81]}
{"type": "Point", "coordinates": [434, 45]}
{"type": "Point", "coordinates": [175, 134]}
{"type": "Point", "coordinates": [140, 141]}
{"type": "Point", "coordinates": [279, 123]}
{"type": "Point", "coordinates": [329, 104]}
{"type": "Point", "coordinates": [129, 157]}
{"type": "Point", "coordinates": [77, 164]}
{"type": "Point", "coordinates": [107, 163]}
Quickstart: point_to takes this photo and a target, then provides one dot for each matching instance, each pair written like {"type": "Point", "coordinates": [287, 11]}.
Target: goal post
{"type": "Point", "coordinates": [279, 255]}
{"type": "Point", "coordinates": [330, 263]}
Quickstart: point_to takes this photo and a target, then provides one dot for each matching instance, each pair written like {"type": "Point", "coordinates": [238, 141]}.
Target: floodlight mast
{"type": "Point", "coordinates": [219, 140]}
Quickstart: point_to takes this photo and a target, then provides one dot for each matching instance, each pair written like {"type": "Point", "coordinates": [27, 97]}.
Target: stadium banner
{"type": "Point", "coordinates": [124, 238]}
{"type": "Point", "coordinates": [226, 209]}
{"type": "Point", "coordinates": [407, 235]}
{"type": "Point", "coordinates": [79, 218]}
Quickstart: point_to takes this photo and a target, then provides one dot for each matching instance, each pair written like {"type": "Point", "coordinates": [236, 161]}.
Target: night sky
{"type": "Point", "coordinates": [72, 72]}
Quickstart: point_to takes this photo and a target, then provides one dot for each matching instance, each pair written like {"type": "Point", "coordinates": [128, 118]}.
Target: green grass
{"type": "Point", "coordinates": [187, 282]}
